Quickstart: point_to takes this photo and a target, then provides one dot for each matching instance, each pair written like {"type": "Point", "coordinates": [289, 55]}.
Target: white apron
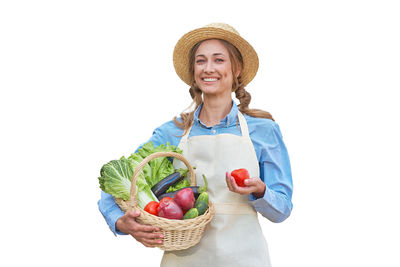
{"type": "Point", "coordinates": [234, 236]}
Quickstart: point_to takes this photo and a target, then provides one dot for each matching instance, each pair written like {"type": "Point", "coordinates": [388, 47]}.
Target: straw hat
{"type": "Point", "coordinates": [214, 31]}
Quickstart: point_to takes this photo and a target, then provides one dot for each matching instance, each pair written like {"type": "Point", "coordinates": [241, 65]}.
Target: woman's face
{"type": "Point", "coordinates": [212, 68]}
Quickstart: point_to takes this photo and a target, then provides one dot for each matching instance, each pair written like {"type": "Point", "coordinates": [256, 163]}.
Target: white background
{"type": "Point", "coordinates": [84, 82]}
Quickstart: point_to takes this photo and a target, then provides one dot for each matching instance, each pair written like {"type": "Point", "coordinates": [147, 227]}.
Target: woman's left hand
{"type": "Point", "coordinates": [253, 186]}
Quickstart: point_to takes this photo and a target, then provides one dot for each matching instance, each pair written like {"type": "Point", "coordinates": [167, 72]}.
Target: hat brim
{"type": "Point", "coordinates": [181, 56]}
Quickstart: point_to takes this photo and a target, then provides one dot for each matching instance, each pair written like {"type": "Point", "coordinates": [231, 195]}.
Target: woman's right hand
{"type": "Point", "coordinates": [148, 235]}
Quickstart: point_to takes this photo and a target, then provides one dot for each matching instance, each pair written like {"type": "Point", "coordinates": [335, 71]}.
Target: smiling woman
{"type": "Point", "coordinates": [222, 54]}
{"type": "Point", "coordinates": [217, 137]}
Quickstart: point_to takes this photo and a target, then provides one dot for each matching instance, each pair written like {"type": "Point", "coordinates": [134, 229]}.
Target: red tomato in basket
{"type": "Point", "coordinates": [152, 207]}
{"type": "Point", "coordinates": [240, 175]}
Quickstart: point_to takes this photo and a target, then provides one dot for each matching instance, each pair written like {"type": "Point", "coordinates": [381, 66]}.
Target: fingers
{"type": "Point", "coordinates": [148, 235]}
{"type": "Point", "coordinates": [251, 185]}
{"type": "Point", "coordinates": [229, 180]}
{"type": "Point", "coordinates": [137, 227]}
{"type": "Point", "coordinates": [144, 228]}
{"type": "Point", "coordinates": [257, 186]}
{"type": "Point", "coordinates": [233, 187]}
{"type": "Point", "coordinates": [149, 239]}
{"type": "Point", "coordinates": [151, 243]}
{"type": "Point", "coordinates": [252, 182]}
{"type": "Point", "coordinates": [133, 213]}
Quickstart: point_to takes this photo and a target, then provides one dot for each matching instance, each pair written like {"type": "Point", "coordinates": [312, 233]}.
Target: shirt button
{"type": "Point", "coordinates": [214, 131]}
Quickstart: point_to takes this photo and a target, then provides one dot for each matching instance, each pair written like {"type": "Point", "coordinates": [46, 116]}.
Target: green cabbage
{"type": "Point", "coordinates": [115, 176]}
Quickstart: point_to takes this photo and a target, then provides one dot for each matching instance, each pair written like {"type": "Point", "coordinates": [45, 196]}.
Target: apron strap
{"type": "Point", "coordinates": [186, 136]}
{"type": "Point", "coordinates": [243, 125]}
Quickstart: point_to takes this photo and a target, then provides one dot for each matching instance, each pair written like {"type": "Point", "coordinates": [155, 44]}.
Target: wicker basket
{"type": "Point", "coordinates": [178, 234]}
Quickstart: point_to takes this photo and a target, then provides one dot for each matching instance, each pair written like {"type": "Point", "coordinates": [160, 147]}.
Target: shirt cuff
{"type": "Point", "coordinates": [271, 206]}
{"type": "Point", "coordinates": [111, 218]}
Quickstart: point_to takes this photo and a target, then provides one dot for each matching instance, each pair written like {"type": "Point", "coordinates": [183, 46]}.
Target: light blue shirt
{"type": "Point", "coordinates": [276, 204]}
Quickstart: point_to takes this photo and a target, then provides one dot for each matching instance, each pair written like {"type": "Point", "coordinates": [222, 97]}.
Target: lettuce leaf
{"type": "Point", "coordinates": [144, 194]}
{"type": "Point", "coordinates": [159, 167]}
{"type": "Point", "coordinates": [182, 184]}
{"type": "Point", "coordinates": [115, 176]}
{"type": "Point", "coordinates": [115, 179]}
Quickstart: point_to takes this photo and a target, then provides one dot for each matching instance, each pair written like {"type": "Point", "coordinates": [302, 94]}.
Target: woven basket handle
{"type": "Point", "coordinates": [153, 156]}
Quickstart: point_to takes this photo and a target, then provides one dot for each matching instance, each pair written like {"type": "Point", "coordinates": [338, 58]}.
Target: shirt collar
{"type": "Point", "coordinates": [225, 122]}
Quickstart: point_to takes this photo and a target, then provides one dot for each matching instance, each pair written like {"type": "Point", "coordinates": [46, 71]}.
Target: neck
{"type": "Point", "coordinates": [215, 109]}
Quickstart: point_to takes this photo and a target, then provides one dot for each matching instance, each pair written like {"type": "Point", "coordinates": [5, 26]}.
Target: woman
{"type": "Point", "coordinates": [218, 137]}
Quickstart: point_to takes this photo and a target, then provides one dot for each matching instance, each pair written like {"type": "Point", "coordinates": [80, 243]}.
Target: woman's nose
{"type": "Point", "coordinates": [209, 68]}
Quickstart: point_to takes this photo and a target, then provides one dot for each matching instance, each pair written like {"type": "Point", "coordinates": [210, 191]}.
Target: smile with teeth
{"type": "Point", "coordinates": [210, 79]}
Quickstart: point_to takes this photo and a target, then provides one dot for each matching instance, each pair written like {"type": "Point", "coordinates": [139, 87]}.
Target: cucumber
{"type": "Point", "coordinates": [190, 214]}
{"type": "Point", "coordinates": [203, 197]}
{"type": "Point", "coordinates": [201, 207]}
{"type": "Point", "coordinates": [202, 203]}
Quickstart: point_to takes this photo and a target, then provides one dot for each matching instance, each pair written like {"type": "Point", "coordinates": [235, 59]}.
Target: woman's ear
{"type": "Point", "coordinates": [238, 71]}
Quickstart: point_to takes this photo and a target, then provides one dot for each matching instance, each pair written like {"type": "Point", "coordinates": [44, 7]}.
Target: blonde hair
{"type": "Point", "coordinates": [241, 94]}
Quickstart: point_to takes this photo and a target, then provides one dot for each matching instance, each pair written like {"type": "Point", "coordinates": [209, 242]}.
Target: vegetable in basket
{"type": "Point", "coordinates": [152, 207]}
{"type": "Point", "coordinates": [157, 168]}
{"type": "Point", "coordinates": [197, 190]}
{"type": "Point", "coordinates": [169, 209]}
{"type": "Point", "coordinates": [171, 181]}
{"type": "Point", "coordinates": [200, 207]}
{"type": "Point", "coordinates": [191, 214]}
{"type": "Point", "coordinates": [115, 176]}
{"type": "Point", "coordinates": [182, 184]}
{"type": "Point", "coordinates": [185, 199]}
{"type": "Point", "coordinates": [115, 179]}
{"type": "Point", "coordinates": [202, 203]}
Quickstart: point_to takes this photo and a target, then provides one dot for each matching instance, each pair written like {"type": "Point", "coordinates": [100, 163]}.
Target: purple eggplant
{"type": "Point", "coordinates": [162, 186]}
{"type": "Point", "coordinates": [197, 190]}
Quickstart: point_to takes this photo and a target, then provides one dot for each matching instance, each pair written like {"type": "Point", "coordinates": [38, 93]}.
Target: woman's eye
{"type": "Point", "coordinates": [200, 61]}
{"type": "Point", "coordinates": [219, 60]}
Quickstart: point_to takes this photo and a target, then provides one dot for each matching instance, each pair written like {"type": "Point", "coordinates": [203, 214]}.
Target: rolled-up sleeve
{"type": "Point", "coordinates": [276, 204]}
{"type": "Point", "coordinates": [110, 211]}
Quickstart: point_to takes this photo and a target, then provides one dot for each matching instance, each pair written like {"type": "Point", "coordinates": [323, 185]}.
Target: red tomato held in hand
{"type": "Point", "coordinates": [152, 207]}
{"type": "Point", "coordinates": [240, 175]}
